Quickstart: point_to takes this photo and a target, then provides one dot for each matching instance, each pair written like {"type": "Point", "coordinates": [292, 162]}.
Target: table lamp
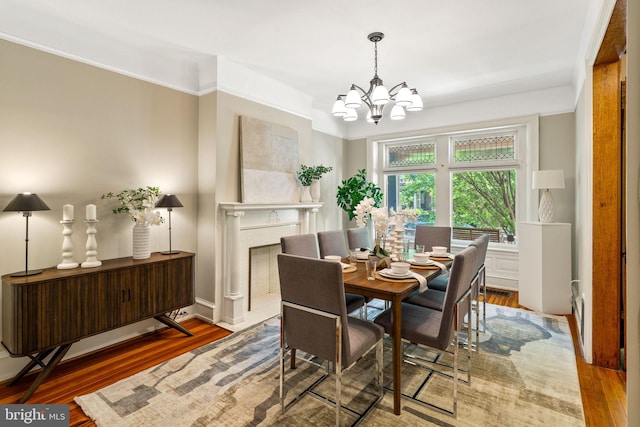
{"type": "Point", "coordinates": [547, 180]}
{"type": "Point", "coordinates": [26, 203]}
{"type": "Point", "coordinates": [169, 201]}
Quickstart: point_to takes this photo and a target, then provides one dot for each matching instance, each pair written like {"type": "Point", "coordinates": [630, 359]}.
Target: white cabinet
{"type": "Point", "coordinates": [545, 267]}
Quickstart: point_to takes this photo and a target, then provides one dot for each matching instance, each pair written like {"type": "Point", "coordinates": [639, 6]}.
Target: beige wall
{"type": "Point", "coordinates": [71, 132]}
{"type": "Point", "coordinates": [558, 151]}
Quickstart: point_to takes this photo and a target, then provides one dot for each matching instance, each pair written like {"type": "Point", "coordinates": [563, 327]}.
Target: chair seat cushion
{"type": "Point", "coordinates": [363, 334]}
{"type": "Point", "coordinates": [429, 298]}
{"type": "Point", "coordinates": [420, 325]}
{"type": "Point", "coordinates": [439, 283]}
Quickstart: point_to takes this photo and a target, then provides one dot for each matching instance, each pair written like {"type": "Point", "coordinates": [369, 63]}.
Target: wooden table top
{"type": "Point", "coordinates": [357, 282]}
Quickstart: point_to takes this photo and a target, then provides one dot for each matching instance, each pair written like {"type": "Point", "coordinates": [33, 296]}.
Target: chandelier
{"type": "Point", "coordinates": [377, 96]}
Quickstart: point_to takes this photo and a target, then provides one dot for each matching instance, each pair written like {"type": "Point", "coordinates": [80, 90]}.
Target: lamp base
{"type": "Point", "coordinates": [545, 210]}
{"type": "Point", "coordinates": [26, 273]}
{"type": "Point", "coordinates": [175, 251]}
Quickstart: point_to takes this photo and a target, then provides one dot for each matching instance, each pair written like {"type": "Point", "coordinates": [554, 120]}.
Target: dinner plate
{"type": "Point", "coordinates": [414, 262]}
{"type": "Point", "coordinates": [446, 255]}
{"type": "Point", "coordinates": [387, 272]}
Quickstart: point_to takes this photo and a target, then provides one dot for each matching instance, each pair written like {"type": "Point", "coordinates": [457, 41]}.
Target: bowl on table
{"type": "Point", "coordinates": [400, 268]}
{"type": "Point", "coordinates": [334, 258]}
{"type": "Point", "coordinates": [439, 251]}
{"type": "Point", "coordinates": [421, 257]}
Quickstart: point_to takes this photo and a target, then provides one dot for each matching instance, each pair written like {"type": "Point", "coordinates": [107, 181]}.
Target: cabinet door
{"type": "Point", "coordinates": [174, 284]}
{"type": "Point", "coordinates": [50, 313]}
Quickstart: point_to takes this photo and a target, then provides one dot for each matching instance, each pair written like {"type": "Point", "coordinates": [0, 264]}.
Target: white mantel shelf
{"type": "Point", "coordinates": [239, 206]}
{"type": "Point", "coordinates": [303, 221]}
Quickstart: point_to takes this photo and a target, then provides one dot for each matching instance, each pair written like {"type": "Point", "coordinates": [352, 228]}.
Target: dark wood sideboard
{"type": "Point", "coordinates": [48, 312]}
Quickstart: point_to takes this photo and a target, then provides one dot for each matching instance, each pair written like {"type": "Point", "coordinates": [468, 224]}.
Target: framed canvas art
{"type": "Point", "coordinates": [269, 160]}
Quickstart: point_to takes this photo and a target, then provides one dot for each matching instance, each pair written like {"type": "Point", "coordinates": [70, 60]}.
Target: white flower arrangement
{"type": "Point", "coordinates": [366, 210]}
{"type": "Point", "coordinates": [139, 204]}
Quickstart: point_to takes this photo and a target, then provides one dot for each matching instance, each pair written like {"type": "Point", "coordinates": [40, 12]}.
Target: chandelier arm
{"type": "Point", "coordinates": [398, 86]}
{"type": "Point", "coordinates": [365, 97]}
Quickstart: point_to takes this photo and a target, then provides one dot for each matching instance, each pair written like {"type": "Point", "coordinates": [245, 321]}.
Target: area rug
{"type": "Point", "coordinates": [523, 374]}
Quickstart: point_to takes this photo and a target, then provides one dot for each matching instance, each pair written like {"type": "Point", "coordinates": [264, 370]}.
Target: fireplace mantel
{"type": "Point", "coordinates": [239, 206]}
{"type": "Point", "coordinates": [241, 217]}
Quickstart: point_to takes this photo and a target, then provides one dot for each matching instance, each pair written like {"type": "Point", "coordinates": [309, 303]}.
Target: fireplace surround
{"type": "Point", "coordinates": [253, 225]}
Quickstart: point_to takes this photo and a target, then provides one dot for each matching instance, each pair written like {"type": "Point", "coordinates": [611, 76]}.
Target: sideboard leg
{"type": "Point", "coordinates": [173, 324]}
{"type": "Point", "coordinates": [57, 357]}
{"type": "Point", "coordinates": [35, 360]}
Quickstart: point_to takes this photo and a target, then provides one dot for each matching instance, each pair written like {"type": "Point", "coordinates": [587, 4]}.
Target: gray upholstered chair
{"type": "Point", "coordinates": [433, 297]}
{"type": "Point", "coordinates": [438, 330]}
{"type": "Point", "coordinates": [314, 320]}
{"type": "Point", "coordinates": [300, 244]}
{"type": "Point", "coordinates": [332, 243]}
{"type": "Point", "coordinates": [307, 245]}
{"type": "Point", "coordinates": [433, 235]}
{"type": "Point", "coordinates": [358, 238]}
{"type": "Point", "coordinates": [478, 285]}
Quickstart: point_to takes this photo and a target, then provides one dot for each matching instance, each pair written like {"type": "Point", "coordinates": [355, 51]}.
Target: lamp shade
{"type": "Point", "coordinates": [353, 99]}
{"type": "Point", "coordinates": [169, 201]}
{"type": "Point", "coordinates": [351, 116]}
{"type": "Point", "coordinates": [339, 110]}
{"type": "Point", "coordinates": [26, 202]}
{"type": "Point", "coordinates": [403, 98]}
{"type": "Point", "coordinates": [397, 112]}
{"type": "Point", "coordinates": [548, 179]}
{"type": "Point", "coordinates": [416, 102]}
{"type": "Point", "coordinates": [380, 95]}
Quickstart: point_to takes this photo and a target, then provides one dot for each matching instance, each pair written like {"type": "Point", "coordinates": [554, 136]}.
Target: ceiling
{"type": "Point", "coordinates": [450, 51]}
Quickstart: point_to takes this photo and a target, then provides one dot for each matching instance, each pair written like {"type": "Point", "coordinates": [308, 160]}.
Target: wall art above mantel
{"type": "Point", "coordinates": [269, 159]}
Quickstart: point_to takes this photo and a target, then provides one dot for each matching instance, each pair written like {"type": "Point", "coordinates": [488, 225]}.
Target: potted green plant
{"type": "Point", "coordinates": [353, 190]}
{"type": "Point", "coordinates": [308, 177]}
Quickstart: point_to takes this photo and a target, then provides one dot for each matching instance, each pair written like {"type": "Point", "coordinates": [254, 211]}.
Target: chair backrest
{"type": "Point", "coordinates": [332, 243]}
{"type": "Point", "coordinates": [481, 244]}
{"type": "Point", "coordinates": [433, 235]}
{"type": "Point", "coordinates": [301, 244]}
{"type": "Point", "coordinates": [323, 291]}
{"type": "Point", "coordinates": [358, 238]}
{"type": "Point", "coordinates": [460, 275]}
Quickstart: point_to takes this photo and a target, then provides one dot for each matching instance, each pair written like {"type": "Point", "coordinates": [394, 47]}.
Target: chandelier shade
{"type": "Point", "coordinates": [377, 96]}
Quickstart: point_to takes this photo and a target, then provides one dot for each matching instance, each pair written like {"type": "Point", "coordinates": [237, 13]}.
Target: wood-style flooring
{"type": "Point", "coordinates": [603, 390]}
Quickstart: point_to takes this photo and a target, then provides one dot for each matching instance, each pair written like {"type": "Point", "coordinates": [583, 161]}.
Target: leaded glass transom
{"type": "Point", "coordinates": [484, 148]}
{"type": "Point", "coordinates": [420, 154]}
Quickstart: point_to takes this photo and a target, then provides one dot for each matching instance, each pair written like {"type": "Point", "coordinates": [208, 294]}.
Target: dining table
{"type": "Point", "coordinates": [394, 291]}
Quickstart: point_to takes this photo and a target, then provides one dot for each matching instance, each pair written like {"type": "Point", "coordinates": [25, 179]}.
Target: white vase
{"type": "Point", "coordinates": [305, 194]}
{"type": "Point", "coordinates": [315, 190]}
{"type": "Point", "coordinates": [141, 241]}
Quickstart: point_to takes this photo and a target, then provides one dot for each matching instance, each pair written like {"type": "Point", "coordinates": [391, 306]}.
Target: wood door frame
{"type": "Point", "coordinates": [608, 225]}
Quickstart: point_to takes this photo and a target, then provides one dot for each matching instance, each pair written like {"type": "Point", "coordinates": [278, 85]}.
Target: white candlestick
{"type": "Point", "coordinates": [67, 244]}
{"type": "Point", "coordinates": [92, 244]}
{"type": "Point", "coordinates": [67, 213]}
{"type": "Point", "coordinates": [91, 213]}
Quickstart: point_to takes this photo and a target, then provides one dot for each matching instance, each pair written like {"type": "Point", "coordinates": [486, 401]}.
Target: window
{"type": "Point", "coordinates": [472, 180]}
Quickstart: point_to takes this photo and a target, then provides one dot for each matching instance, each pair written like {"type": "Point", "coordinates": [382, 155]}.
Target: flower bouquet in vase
{"type": "Point", "coordinates": [366, 211]}
{"type": "Point", "coordinates": [139, 204]}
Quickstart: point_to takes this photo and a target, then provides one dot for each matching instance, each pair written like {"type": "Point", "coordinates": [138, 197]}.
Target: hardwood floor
{"type": "Point", "coordinates": [603, 390]}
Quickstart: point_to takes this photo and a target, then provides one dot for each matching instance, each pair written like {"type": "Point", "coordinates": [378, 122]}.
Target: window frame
{"type": "Point", "coordinates": [526, 160]}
